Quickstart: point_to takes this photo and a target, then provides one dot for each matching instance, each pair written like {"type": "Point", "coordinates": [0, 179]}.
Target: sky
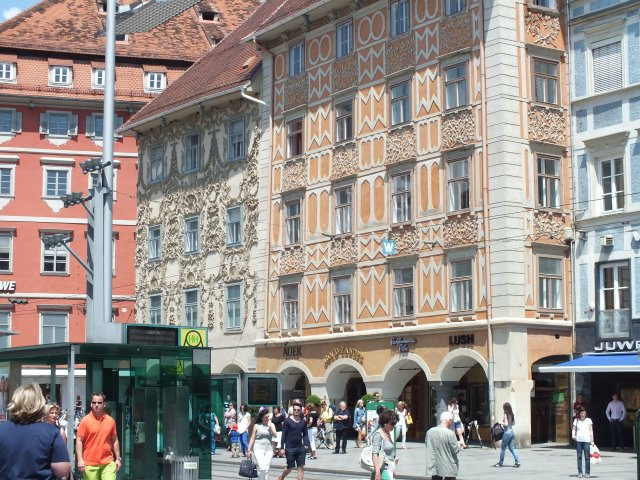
{"type": "Point", "coordinates": [9, 8]}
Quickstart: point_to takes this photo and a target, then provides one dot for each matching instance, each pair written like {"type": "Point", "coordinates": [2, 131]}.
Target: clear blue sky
{"type": "Point", "coordinates": [9, 8]}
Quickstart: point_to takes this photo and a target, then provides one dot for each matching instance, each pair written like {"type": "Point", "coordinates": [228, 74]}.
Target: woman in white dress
{"type": "Point", "coordinates": [261, 443]}
{"type": "Point", "coordinates": [401, 426]}
{"type": "Point", "coordinates": [454, 409]}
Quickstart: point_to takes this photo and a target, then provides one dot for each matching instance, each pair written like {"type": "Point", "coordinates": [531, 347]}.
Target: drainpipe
{"type": "Point", "coordinates": [243, 92]}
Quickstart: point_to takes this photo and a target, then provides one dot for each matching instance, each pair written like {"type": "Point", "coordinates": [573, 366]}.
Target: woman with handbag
{"type": "Point", "coordinates": [583, 436]}
{"type": "Point", "coordinates": [382, 448]}
{"type": "Point", "coordinates": [261, 443]}
{"type": "Point", "coordinates": [401, 427]}
{"type": "Point", "coordinates": [359, 415]}
{"type": "Point", "coordinates": [508, 438]}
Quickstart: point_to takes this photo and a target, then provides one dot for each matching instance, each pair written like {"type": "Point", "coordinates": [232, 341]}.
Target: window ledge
{"type": "Point", "coordinates": [55, 274]}
{"type": "Point", "coordinates": [159, 180]}
{"type": "Point", "coordinates": [595, 96]}
{"type": "Point", "coordinates": [551, 314]}
{"type": "Point", "coordinates": [6, 272]}
{"type": "Point", "coordinates": [61, 85]}
{"type": "Point", "coordinates": [458, 213]}
{"type": "Point", "coordinates": [154, 260]}
{"type": "Point", "coordinates": [402, 225]}
{"type": "Point", "coordinates": [408, 321]}
{"type": "Point", "coordinates": [461, 317]}
{"type": "Point", "coordinates": [289, 333]}
{"type": "Point", "coordinates": [11, 80]}
{"type": "Point", "coordinates": [550, 106]}
{"type": "Point", "coordinates": [190, 254]}
{"type": "Point", "coordinates": [342, 327]}
{"type": "Point", "coordinates": [400, 126]}
{"type": "Point", "coordinates": [8, 134]}
{"type": "Point", "coordinates": [232, 331]}
{"type": "Point", "coordinates": [231, 246]}
{"type": "Point", "coordinates": [552, 12]}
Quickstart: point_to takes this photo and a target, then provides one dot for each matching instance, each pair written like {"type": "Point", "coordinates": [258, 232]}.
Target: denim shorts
{"type": "Point", "coordinates": [457, 425]}
{"type": "Point", "coordinates": [295, 457]}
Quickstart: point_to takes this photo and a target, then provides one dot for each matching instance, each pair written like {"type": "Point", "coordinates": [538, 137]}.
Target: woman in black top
{"type": "Point", "coordinates": [312, 428]}
{"type": "Point", "coordinates": [277, 417]}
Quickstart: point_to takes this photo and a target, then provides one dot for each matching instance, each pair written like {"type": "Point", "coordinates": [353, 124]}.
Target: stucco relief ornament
{"type": "Point", "coordinates": [548, 225]}
{"type": "Point", "coordinates": [292, 260]}
{"type": "Point", "coordinates": [461, 230]}
{"type": "Point", "coordinates": [407, 240]}
{"type": "Point", "coordinates": [295, 91]}
{"type": "Point", "coordinates": [537, 23]}
{"type": "Point", "coordinates": [400, 54]}
{"type": "Point", "coordinates": [455, 33]}
{"type": "Point", "coordinates": [345, 160]}
{"type": "Point", "coordinates": [546, 124]}
{"type": "Point", "coordinates": [295, 174]}
{"type": "Point", "coordinates": [344, 250]}
{"type": "Point", "coordinates": [458, 129]}
{"type": "Point", "coordinates": [401, 144]}
{"type": "Point", "coordinates": [345, 74]}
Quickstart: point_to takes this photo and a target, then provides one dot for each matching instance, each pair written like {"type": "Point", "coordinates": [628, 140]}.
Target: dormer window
{"type": "Point", "coordinates": [7, 72]}
{"type": "Point", "coordinates": [154, 81]}
{"type": "Point", "coordinates": [60, 76]}
{"type": "Point", "coordinates": [97, 78]}
{"type": "Point", "coordinates": [209, 16]}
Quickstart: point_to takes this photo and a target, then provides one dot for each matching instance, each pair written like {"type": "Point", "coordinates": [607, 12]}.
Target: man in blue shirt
{"type": "Point", "coordinates": [294, 440]}
{"type": "Point", "coordinates": [341, 424]}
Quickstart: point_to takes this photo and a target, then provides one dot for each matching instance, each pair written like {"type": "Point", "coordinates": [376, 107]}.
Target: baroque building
{"type": "Point", "coordinates": [419, 205]}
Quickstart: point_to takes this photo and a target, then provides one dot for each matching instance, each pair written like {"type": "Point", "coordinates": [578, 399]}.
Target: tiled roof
{"type": "Point", "coordinates": [72, 26]}
{"type": "Point", "coordinates": [228, 65]}
{"type": "Point", "coordinates": [288, 8]}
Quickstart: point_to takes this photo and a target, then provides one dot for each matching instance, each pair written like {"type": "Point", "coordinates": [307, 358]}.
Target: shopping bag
{"type": "Point", "coordinates": [248, 469]}
{"type": "Point", "coordinates": [594, 455]}
{"type": "Point", "coordinates": [409, 419]}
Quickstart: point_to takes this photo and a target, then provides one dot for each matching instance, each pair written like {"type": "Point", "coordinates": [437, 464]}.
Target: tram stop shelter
{"type": "Point", "coordinates": [159, 396]}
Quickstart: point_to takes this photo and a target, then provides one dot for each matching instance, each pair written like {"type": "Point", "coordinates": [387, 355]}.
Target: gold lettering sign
{"type": "Point", "coordinates": [343, 352]}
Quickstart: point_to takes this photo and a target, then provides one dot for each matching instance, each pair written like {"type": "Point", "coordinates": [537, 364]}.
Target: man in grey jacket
{"type": "Point", "coordinates": [442, 450]}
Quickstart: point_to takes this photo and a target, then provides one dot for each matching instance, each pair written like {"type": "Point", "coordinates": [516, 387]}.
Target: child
{"type": "Point", "coordinates": [234, 438]}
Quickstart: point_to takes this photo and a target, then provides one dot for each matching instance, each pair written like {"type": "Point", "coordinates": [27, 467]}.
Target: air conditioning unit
{"type": "Point", "coordinates": [607, 240]}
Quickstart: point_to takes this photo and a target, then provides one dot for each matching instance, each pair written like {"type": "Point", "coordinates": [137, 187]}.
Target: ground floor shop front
{"type": "Point", "coordinates": [425, 367]}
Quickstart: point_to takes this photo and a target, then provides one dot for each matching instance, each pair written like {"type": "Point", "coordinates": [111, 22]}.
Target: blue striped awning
{"type": "Point", "coordinates": [611, 362]}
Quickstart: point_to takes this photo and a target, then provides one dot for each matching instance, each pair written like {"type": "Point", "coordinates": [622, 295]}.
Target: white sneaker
{"type": "Point", "coordinates": [579, 475]}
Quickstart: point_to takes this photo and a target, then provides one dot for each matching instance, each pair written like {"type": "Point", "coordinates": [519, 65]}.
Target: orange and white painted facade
{"type": "Point", "coordinates": [455, 176]}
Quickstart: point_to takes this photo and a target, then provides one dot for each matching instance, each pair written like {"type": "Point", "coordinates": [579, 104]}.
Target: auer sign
{"type": "Point", "coordinates": [8, 286]}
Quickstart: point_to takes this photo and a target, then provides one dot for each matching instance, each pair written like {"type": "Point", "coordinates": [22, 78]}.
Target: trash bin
{"type": "Point", "coordinates": [180, 468]}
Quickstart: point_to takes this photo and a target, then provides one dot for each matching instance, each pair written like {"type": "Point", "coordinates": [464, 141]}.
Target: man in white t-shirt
{"type": "Point", "coordinates": [583, 436]}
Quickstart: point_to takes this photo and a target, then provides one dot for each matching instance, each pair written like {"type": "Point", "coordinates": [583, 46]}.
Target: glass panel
{"type": "Point", "coordinates": [461, 269]}
{"type": "Point", "coordinates": [550, 266]}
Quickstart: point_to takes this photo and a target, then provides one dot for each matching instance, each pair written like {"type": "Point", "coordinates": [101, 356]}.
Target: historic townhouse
{"type": "Point", "coordinates": [51, 93]}
{"type": "Point", "coordinates": [420, 205]}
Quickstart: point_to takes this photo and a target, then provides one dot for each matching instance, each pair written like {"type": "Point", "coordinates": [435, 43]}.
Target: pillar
{"type": "Point", "coordinates": [444, 392]}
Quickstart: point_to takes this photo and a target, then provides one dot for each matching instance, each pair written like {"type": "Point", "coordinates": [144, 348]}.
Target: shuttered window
{"type": "Point", "coordinates": [607, 67]}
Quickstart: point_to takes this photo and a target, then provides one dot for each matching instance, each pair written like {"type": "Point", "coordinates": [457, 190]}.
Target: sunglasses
{"type": "Point", "coordinates": [392, 423]}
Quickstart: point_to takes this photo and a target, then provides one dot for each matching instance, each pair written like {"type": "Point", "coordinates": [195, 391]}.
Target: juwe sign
{"type": "Point", "coordinates": [8, 286]}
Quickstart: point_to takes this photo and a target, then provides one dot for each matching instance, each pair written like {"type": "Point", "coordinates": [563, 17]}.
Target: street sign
{"type": "Point", "coordinates": [388, 247]}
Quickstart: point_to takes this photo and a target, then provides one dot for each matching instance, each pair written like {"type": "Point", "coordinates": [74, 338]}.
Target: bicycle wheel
{"type": "Point", "coordinates": [330, 440]}
{"type": "Point", "coordinates": [319, 440]}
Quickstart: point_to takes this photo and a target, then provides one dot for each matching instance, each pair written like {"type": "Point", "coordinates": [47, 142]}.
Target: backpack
{"type": "Point", "coordinates": [366, 458]}
{"type": "Point", "coordinates": [497, 432]}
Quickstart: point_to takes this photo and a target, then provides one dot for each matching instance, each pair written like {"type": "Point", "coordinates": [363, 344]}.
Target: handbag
{"type": "Point", "coordinates": [409, 420]}
{"type": "Point", "coordinates": [216, 429]}
{"type": "Point", "coordinates": [366, 459]}
{"type": "Point", "coordinates": [497, 432]}
{"type": "Point", "coordinates": [594, 455]}
{"type": "Point", "coordinates": [248, 469]}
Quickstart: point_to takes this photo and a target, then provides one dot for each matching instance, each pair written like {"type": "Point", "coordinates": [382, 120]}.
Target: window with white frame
{"type": "Point", "coordinates": [6, 251]}
{"type": "Point", "coordinates": [191, 304]}
{"type": "Point", "coordinates": [55, 260]}
{"type": "Point", "coordinates": [545, 81]}
{"type": "Point", "coordinates": [6, 181]}
{"type": "Point", "coordinates": [455, 86]}
{"type": "Point", "coordinates": [154, 242]}
{"type": "Point", "coordinates": [342, 300]}
{"type": "Point", "coordinates": [614, 308]}
{"type": "Point", "coordinates": [95, 125]}
{"type": "Point", "coordinates": [606, 61]}
{"type": "Point", "coordinates": [236, 139]}
{"type": "Point", "coordinates": [155, 81]}
{"type": "Point", "coordinates": [294, 138]}
{"type": "Point", "coordinates": [549, 283]}
{"type": "Point", "coordinates": [156, 163]}
{"type": "Point", "coordinates": [401, 198]}
{"type": "Point", "coordinates": [7, 72]}
{"type": "Point", "coordinates": [403, 292]}
{"type": "Point", "coordinates": [97, 78]}
{"type": "Point", "coordinates": [344, 39]}
{"type": "Point", "coordinates": [290, 319]}
{"type": "Point", "coordinates": [5, 326]}
{"type": "Point", "coordinates": [60, 124]}
{"type": "Point", "coordinates": [296, 59]}
{"type": "Point", "coordinates": [60, 76]}
{"type": "Point", "coordinates": [192, 152]}
{"type": "Point", "coordinates": [451, 7]}
{"type": "Point", "coordinates": [460, 286]}
{"type": "Point", "coordinates": [292, 222]}
{"type": "Point", "coordinates": [548, 181]}
{"type": "Point", "coordinates": [612, 180]}
{"type": "Point", "coordinates": [343, 209]}
{"type": "Point", "coordinates": [54, 327]}
{"type": "Point", "coordinates": [399, 17]}
{"type": "Point", "coordinates": [234, 226]}
{"type": "Point", "coordinates": [155, 309]}
{"type": "Point", "coordinates": [191, 234]}
{"type": "Point", "coordinates": [400, 107]}
{"type": "Point", "coordinates": [57, 182]}
{"type": "Point", "coordinates": [10, 121]}
{"type": "Point", "coordinates": [344, 121]}
{"type": "Point", "coordinates": [234, 306]}
{"type": "Point", "coordinates": [458, 184]}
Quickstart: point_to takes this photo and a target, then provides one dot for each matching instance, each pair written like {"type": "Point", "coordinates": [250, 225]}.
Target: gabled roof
{"type": "Point", "coordinates": [73, 26]}
{"type": "Point", "coordinates": [228, 66]}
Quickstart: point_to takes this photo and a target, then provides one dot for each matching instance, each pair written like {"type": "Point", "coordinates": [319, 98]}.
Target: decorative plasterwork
{"type": "Point", "coordinates": [455, 33]}
{"type": "Point", "coordinates": [546, 124]}
{"type": "Point", "coordinates": [401, 144]}
{"type": "Point", "coordinates": [400, 54]}
{"type": "Point", "coordinates": [345, 160]}
{"type": "Point", "coordinates": [458, 129]}
{"type": "Point", "coordinates": [344, 250]}
{"type": "Point", "coordinates": [543, 28]}
{"type": "Point", "coordinates": [345, 74]}
{"type": "Point", "coordinates": [295, 174]}
{"type": "Point", "coordinates": [292, 261]}
{"type": "Point", "coordinates": [295, 91]}
{"type": "Point", "coordinates": [407, 240]}
{"type": "Point", "coordinates": [548, 225]}
{"type": "Point", "coordinates": [461, 230]}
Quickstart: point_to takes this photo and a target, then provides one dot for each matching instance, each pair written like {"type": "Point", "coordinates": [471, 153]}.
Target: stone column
{"type": "Point", "coordinates": [444, 392]}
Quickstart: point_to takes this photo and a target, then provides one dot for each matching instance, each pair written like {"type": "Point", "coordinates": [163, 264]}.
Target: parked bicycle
{"type": "Point", "coordinates": [326, 439]}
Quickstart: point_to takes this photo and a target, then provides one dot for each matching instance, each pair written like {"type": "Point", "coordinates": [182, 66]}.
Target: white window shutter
{"type": "Point", "coordinates": [90, 127]}
{"type": "Point", "coordinates": [44, 123]}
{"type": "Point", "coordinates": [17, 122]}
{"type": "Point", "coordinates": [73, 125]}
{"type": "Point", "coordinates": [607, 67]}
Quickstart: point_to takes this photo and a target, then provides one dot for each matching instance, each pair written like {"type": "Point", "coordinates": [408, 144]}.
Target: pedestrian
{"type": "Point", "coordinates": [261, 443]}
{"type": "Point", "coordinates": [52, 416]}
{"type": "Point", "coordinates": [326, 415]}
{"type": "Point", "coordinates": [97, 446]}
{"type": "Point", "coordinates": [583, 436]}
{"type": "Point", "coordinates": [359, 423]}
{"type": "Point", "coordinates": [616, 412]}
{"type": "Point", "coordinates": [381, 440]}
{"type": "Point", "coordinates": [341, 425]}
{"type": "Point", "coordinates": [580, 402]}
{"type": "Point", "coordinates": [215, 430]}
{"type": "Point", "coordinates": [234, 441]}
{"type": "Point", "coordinates": [401, 427]}
{"type": "Point", "coordinates": [277, 417]}
{"type": "Point", "coordinates": [30, 448]}
{"type": "Point", "coordinates": [373, 421]}
{"type": "Point", "coordinates": [376, 397]}
{"type": "Point", "coordinates": [244, 422]}
{"type": "Point", "coordinates": [312, 428]}
{"type": "Point", "coordinates": [229, 421]}
{"type": "Point", "coordinates": [454, 409]}
{"type": "Point", "coordinates": [508, 438]}
{"type": "Point", "coordinates": [442, 450]}
{"type": "Point", "coordinates": [294, 441]}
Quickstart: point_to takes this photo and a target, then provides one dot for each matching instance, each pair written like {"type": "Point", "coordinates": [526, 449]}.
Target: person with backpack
{"type": "Point", "coordinates": [382, 441]}
{"type": "Point", "coordinates": [508, 438]}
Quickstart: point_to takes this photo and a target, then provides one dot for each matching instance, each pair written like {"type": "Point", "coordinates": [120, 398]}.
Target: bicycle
{"type": "Point", "coordinates": [471, 426]}
{"type": "Point", "coordinates": [326, 439]}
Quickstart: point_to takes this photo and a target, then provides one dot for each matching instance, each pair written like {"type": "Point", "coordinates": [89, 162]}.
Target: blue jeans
{"type": "Point", "coordinates": [509, 440]}
{"type": "Point", "coordinates": [584, 448]}
{"type": "Point", "coordinates": [244, 442]}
